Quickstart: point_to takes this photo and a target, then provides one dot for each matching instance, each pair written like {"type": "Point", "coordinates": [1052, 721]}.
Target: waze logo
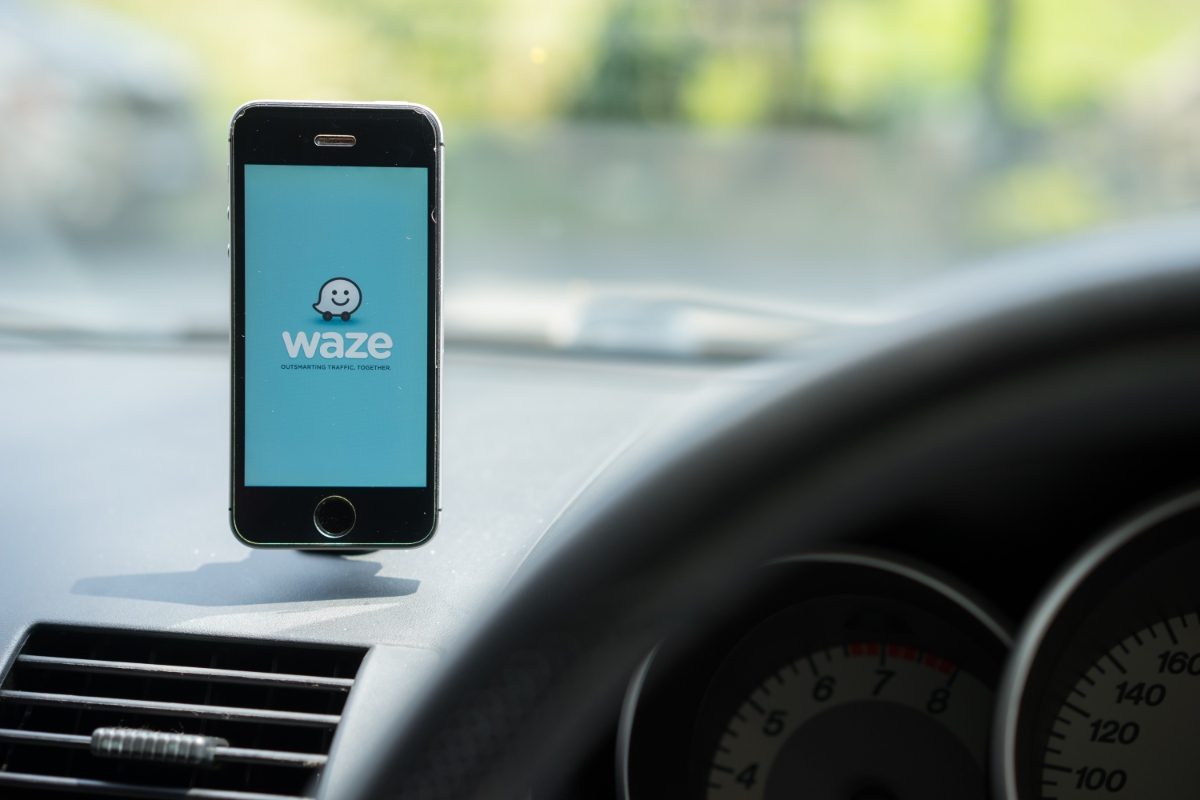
{"type": "Point", "coordinates": [339, 297]}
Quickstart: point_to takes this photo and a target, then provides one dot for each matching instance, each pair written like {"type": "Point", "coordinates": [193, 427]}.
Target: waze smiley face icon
{"type": "Point", "coordinates": [339, 297]}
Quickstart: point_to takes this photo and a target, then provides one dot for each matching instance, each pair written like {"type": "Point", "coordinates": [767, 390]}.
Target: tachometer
{"type": "Point", "coordinates": [848, 677]}
{"type": "Point", "coordinates": [1103, 690]}
{"type": "Point", "coordinates": [866, 719]}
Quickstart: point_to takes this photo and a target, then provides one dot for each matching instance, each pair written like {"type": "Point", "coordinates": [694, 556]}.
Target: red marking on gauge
{"type": "Point", "coordinates": [863, 649]}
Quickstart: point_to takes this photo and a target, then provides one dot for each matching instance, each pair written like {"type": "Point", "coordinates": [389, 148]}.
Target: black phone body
{"type": "Point", "coordinates": [335, 248]}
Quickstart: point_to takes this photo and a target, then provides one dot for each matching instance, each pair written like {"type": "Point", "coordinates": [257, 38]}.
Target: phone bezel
{"type": "Point", "coordinates": [388, 134]}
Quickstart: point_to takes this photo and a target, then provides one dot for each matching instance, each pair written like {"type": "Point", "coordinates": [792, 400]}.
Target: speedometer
{"type": "Point", "coordinates": [1104, 688]}
{"type": "Point", "coordinates": [1117, 717]}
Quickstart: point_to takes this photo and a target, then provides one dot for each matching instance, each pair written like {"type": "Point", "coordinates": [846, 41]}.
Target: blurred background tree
{"type": "Point", "coordinates": [848, 62]}
{"type": "Point", "coordinates": [881, 132]}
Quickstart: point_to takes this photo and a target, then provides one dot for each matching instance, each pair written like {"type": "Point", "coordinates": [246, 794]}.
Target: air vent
{"type": "Point", "coordinates": [267, 713]}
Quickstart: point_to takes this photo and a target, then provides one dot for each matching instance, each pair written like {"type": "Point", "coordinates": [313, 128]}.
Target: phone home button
{"type": "Point", "coordinates": [334, 516]}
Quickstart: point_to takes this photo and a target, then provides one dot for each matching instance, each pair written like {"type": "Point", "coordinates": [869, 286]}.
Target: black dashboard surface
{"type": "Point", "coordinates": [116, 493]}
{"type": "Point", "coordinates": [116, 497]}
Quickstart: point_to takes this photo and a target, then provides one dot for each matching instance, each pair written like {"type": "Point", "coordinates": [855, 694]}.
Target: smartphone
{"type": "Point", "coordinates": [335, 249]}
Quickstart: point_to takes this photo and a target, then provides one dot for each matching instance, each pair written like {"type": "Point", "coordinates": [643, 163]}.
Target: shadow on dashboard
{"type": "Point", "coordinates": [263, 577]}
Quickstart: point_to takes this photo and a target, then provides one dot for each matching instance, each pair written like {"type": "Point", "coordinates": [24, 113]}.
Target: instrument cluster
{"type": "Point", "coordinates": [862, 675]}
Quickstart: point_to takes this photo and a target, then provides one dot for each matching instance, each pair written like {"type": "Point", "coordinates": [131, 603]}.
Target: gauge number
{"type": "Point", "coordinates": [1127, 727]}
{"type": "Point", "coordinates": [836, 677]}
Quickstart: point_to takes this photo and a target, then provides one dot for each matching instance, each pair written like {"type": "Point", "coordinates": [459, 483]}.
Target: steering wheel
{"type": "Point", "coordinates": [1109, 363]}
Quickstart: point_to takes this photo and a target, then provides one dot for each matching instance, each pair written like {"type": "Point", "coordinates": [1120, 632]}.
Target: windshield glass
{"type": "Point", "coordinates": [609, 162]}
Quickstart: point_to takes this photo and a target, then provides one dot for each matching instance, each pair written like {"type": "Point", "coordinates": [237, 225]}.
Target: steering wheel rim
{"type": "Point", "coordinates": [780, 469]}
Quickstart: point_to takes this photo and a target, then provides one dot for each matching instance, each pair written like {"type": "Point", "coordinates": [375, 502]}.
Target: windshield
{"type": "Point", "coordinates": [609, 162]}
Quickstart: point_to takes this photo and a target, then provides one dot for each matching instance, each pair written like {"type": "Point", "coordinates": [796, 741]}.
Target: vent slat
{"type": "Point", "coordinates": [131, 790]}
{"type": "Point", "coordinates": [161, 708]}
{"type": "Point", "coordinates": [43, 737]}
{"type": "Point", "coordinates": [249, 755]}
{"type": "Point", "coordinates": [234, 755]}
{"type": "Point", "coordinates": [235, 676]}
{"type": "Point", "coordinates": [277, 705]}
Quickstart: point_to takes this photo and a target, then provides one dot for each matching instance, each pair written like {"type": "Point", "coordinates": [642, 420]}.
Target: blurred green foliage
{"type": "Point", "coordinates": [1008, 92]}
{"type": "Point", "coordinates": [1025, 202]}
{"type": "Point", "coordinates": [705, 62]}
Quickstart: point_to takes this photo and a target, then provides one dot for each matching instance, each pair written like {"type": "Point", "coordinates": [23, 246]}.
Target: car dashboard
{"type": "Point", "coordinates": [127, 604]}
{"type": "Point", "coordinates": [117, 529]}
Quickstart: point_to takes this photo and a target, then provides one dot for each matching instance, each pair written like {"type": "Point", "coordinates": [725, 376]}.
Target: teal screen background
{"type": "Point", "coordinates": [324, 421]}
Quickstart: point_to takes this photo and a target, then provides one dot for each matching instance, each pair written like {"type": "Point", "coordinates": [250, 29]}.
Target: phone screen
{"type": "Point", "coordinates": [336, 325]}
